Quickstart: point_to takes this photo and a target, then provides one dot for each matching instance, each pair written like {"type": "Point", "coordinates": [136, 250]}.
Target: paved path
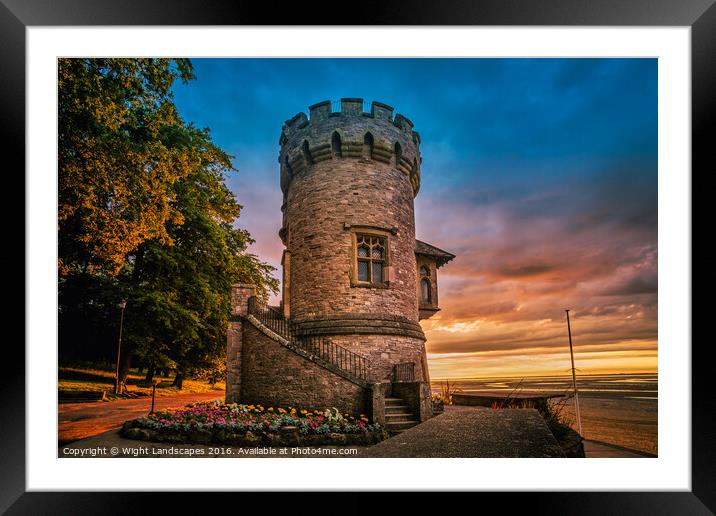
{"type": "Point", "coordinates": [473, 432]}
{"type": "Point", "coordinates": [600, 450]}
{"type": "Point", "coordinates": [79, 420]}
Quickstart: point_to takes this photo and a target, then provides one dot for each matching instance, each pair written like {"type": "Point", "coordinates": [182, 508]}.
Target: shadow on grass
{"type": "Point", "coordinates": [106, 377]}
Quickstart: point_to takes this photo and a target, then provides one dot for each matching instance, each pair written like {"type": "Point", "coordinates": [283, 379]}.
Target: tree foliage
{"type": "Point", "coordinates": [116, 169]}
{"type": "Point", "coordinates": [144, 214]}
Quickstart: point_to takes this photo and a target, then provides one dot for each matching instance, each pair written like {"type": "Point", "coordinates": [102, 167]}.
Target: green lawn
{"type": "Point", "coordinates": [97, 379]}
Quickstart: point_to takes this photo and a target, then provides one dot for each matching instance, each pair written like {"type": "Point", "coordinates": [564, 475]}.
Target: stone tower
{"type": "Point", "coordinates": [349, 179]}
{"type": "Point", "coordinates": [354, 275]}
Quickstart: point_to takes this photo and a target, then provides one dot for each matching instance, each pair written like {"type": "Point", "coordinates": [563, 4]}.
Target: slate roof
{"type": "Point", "coordinates": [441, 257]}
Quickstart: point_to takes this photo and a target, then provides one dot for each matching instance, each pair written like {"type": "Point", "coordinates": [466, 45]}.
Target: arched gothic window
{"type": "Point", "coordinates": [307, 153]}
{"type": "Point", "coordinates": [336, 144]}
{"type": "Point", "coordinates": [425, 290]}
{"type": "Point", "coordinates": [368, 145]}
{"type": "Point", "coordinates": [371, 259]}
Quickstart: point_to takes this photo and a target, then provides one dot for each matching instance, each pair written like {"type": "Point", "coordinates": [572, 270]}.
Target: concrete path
{"type": "Point", "coordinates": [473, 432]}
{"type": "Point", "coordinates": [600, 450]}
{"type": "Point", "coordinates": [80, 420]}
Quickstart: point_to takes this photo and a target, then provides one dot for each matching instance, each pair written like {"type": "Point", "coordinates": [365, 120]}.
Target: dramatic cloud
{"type": "Point", "coordinates": [539, 174]}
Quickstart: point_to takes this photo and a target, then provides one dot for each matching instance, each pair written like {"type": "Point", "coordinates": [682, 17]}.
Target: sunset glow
{"type": "Point", "coordinates": [540, 175]}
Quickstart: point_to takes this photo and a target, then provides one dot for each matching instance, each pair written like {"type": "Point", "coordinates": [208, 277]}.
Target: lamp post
{"type": "Point", "coordinates": [574, 376]}
{"type": "Point", "coordinates": [154, 391]}
{"type": "Point", "coordinates": [122, 305]}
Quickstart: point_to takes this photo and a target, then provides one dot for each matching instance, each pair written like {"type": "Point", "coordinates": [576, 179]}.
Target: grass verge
{"type": "Point", "coordinates": [74, 380]}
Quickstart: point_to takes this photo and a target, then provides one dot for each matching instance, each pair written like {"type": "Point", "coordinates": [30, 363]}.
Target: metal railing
{"type": "Point", "coordinates": [317, 346]}
{"type": "Point", "coordinates": [404, 372]}
{"type": "Point", "coordinates": [337, 106]}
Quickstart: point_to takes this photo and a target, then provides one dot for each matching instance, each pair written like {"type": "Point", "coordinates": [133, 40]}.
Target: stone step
{"type": "Point", "coordinates": [399, 418]}
{"type": "Point", "coordinates": [393, 401]}
{"type": "Point", "coordinates": [399, 426]}
{"type": "Point", "coordinates": [399, 409]}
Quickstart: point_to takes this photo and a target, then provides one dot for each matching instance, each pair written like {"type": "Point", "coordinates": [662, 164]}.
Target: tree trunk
{"type": "Point", "coordinates": [124, 363]}
{"type": "Point", "coordinates": [150, 374]}
{"type": "Point", "coordinates": [178, 380]}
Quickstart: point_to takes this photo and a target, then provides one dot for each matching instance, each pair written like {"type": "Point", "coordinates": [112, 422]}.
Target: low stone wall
{"type": "Point", "coordinates": [287, 436]}
{"type": "Point", "coordinates": [478, 400]}
{"type": "Point", "coordinates": [274, 375]}
{"type": "Point", "coordinates": [572, 444]}
{"type": "Point", "coordinates": [379, 392]}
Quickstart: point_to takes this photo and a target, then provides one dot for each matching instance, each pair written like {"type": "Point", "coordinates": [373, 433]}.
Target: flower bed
{"type": "Point", "coordinates": [253, 425]}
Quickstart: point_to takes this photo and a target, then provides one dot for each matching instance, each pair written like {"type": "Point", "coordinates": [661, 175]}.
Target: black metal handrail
{"type": "Point", "coordinates": [404, 372]}
{"type": "Point", "coordinates": [321, 347]}
{"type": "Point", "coordinates": [337, 106]}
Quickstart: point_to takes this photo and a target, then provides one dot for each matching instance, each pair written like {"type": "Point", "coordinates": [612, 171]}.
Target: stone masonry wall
{"type": "Point", "coordinates": [240, 294]}
{"type": "Point", "coordinates": [320, 203]}
{"type": "Point", "coordinates": [383, 351]}
{"type": "Point", "coordinates": [234, 349]}
{"type": "Point", "coordinates": [417, 396]}
{"type": "Point", "coordinates": [273, 375]}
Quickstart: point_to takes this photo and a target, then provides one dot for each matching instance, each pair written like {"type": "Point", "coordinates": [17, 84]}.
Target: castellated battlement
{"type": "Point", "coordinates": [350, 132]}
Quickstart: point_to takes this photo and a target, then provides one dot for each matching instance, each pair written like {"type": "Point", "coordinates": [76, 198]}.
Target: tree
{"type": "Point", "coordinates": [115, 171]}
{"type": "Point", "coordinates": [145, 215]}
{"type": "Point", "coordinates": [183, 290]}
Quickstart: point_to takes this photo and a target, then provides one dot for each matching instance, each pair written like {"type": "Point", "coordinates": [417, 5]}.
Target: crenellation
{"type": "Point", "coordinates": [381, 111]}
{"type": "Point", "coordinates": [320, 110]}
{"type": "Point", "coordinates": [352, 125]}
{"type": "Point", "coordinates": [404, 123]}
{"type": "Point", "coordinates": [352, 106]}
{"type": "Point", "coordinates": [298, 122]}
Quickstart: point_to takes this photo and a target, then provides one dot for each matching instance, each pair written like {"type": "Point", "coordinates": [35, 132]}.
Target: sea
{"type": "Point", "coordinates": [618, 409]}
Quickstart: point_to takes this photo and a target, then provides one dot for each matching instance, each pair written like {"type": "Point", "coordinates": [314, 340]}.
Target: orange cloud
{"type": "Point", "coordinates": [522, 259]}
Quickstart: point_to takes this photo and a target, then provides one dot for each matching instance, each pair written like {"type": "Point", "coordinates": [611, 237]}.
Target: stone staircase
{"type": "Point", "coordinates": [398, 416]}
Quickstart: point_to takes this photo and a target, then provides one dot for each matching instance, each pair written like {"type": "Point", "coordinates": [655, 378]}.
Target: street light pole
{"type": "Point", "coordinates": [121, 305]}
{"type": "Point", "coordinates": [574, 377]}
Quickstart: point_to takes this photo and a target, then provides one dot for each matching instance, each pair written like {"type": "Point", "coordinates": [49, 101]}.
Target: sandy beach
{"type": "Point", "coordinates": [615, 409]}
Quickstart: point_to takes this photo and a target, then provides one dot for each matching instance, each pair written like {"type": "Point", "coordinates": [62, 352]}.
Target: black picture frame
{"type": "Point", "coordinates": [700, 15]}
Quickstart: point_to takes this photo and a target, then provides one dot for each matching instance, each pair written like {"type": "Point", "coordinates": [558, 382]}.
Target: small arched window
{"type": "Point", "coordinates": [368, 145]}
{"type": "Point", "coordinates": [425, 290]}
{"type": "Point", "coordinates": [307, 153]}
{"type": "Point", "coordinates": [336, 144]}
{"type": "Point", "coordinates": [398, 153]}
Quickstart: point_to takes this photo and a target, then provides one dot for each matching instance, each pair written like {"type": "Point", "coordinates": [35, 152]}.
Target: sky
{"type": "Point", "coordinates": [539, 174]}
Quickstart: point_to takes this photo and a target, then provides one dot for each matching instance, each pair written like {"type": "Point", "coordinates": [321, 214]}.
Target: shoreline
{"type": "Point", "coordinates": [619, 410]}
